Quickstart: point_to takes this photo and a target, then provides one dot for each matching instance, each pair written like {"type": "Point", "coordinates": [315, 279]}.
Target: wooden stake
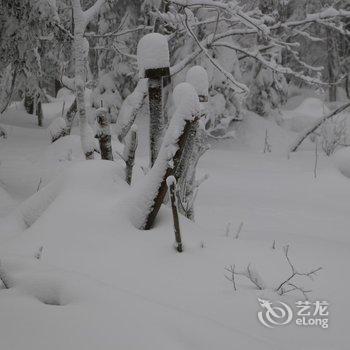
{"type": "Point", "coordinates": [155, 96]}
{"type": "Point", "coordinates": [163, 188]}
{"type": "Point", "coordinates": [171, 182]}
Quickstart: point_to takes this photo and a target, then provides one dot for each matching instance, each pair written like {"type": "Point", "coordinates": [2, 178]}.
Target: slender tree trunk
{"type": "Point", "coordinates": [6, 95]}
{"type": "Point", "coordinates": [332, 65]}
{"type": "Point", "coordinates": [129, 154]}
{"type": "Point", "coordinates": [80, 62]}
{"type": "Point", "coordinates": [29, 103]}
{"type": "Point", "coordinates": [39, 113]}
{"type": "Point", "coordinates": [70, 117]}
{"type": "Point", "coordinates": [81, 49]}
{"type": "Point", "coordinates": [104, 135]}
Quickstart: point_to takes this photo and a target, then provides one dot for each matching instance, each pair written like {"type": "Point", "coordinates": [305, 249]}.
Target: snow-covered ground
{"type": "Point", "coordinates": [101, 283]}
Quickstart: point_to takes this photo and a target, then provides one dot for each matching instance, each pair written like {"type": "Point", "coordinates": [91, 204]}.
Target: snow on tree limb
{"type": "Point", "coordinates": [269, 64]}
{"type": "Point", "coordinates": [130, 107]}
{"type": "Point", "coordinates": [239, 87]}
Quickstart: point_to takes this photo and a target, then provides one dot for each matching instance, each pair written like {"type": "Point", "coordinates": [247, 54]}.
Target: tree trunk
{"type": "Point", "coordinates": [332, 65]}
{"type": "Point", "coordinates": [104, 135]}
{"type": "Point", "coordinates": [58, 86]}
{"type": "Point", "coordinates": [39, 113]}
{"type": "Point", "coordinates": [80, 48]}
{"type": "Point", "coordinates": [129, 154]}
{"type": "Point", "coordinates": [29, 103]}
{"type": "Point", "coordinates": [70, 117]}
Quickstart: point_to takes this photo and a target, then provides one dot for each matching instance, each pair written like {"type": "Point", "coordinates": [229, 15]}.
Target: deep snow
{"type": "Point", "coordinates": [101, 283]}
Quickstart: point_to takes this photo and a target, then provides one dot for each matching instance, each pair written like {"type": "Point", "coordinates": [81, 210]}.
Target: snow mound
{"type": "Point", "coordinates": [305, 115]}
{"type": "Point", "coordinates": [80, 180]}
{"type": "Point", "coordinates": [65, 148]}
{"type": "Point", "coordinates": [39, 281]}
{"type": "Point", "coordinates": [342, 161]}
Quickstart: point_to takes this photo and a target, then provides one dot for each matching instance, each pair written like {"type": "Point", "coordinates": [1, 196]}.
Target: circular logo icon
{"type": "Point", "coordinates": [274, 315]}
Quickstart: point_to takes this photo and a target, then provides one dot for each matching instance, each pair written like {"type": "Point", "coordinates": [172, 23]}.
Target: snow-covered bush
{"type": "Point", "coordinates": [106, 95]}
{"type": "Point", "coordinates": [268, 91]}
{"type": "Point", "coordinates": [333, 134]}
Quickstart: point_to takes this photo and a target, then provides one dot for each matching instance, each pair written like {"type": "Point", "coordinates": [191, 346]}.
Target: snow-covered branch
{"type": "Point", "coordinates": [270, 64]}
{"type": "Point", "coordinates": [236, 84]}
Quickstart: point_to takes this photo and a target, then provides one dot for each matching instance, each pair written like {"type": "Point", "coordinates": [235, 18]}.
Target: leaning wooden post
{"type": "Point", "coordinates": [171, 183]}
{"type": "Point", "coordinates": [153, 61]}
{"type": "Point", "coordinates": [104, 134]}
{"type": "Point", "coordinates": [154, 188]}
{"type": "Point", "coordinates": [129, 152]}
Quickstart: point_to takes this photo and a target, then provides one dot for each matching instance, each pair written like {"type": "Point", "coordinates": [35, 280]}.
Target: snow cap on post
{"type": "Point", "coordinates": [153, 56]}
{"type": "Point", "coordinates": [197, 76]}
{"type": "Point", "coordinates": [186, 100]}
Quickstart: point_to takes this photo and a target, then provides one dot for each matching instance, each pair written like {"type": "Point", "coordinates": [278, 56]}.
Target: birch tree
{"type": "Point", "coordinates": [81, 51]}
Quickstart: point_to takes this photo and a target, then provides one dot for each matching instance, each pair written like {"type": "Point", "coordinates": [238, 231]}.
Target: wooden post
{"type": "Point", "coordinates": [163, 188]}
{"type": "Point", "coordinates": [171, 183]}
{"type": "Point", "coordinates": [154, 64]}
{"type": "Point", "coordinates": [155, 95]}
{"type": "Point", "coordinates": [39, 113]}
{"type": "Point", "coordinates": [104, 135]}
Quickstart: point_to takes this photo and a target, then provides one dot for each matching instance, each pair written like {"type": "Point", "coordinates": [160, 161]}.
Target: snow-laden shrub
{"type": "Point", "coordinates": [333, 134]}
{"type": "Point", "coordinates": [268, 91]}
{"type": "Point", "coordinates": [106, 94]}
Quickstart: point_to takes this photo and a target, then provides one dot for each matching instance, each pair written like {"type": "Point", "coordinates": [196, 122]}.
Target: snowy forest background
{"type": "Point", "coordinates": [127, 125]}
